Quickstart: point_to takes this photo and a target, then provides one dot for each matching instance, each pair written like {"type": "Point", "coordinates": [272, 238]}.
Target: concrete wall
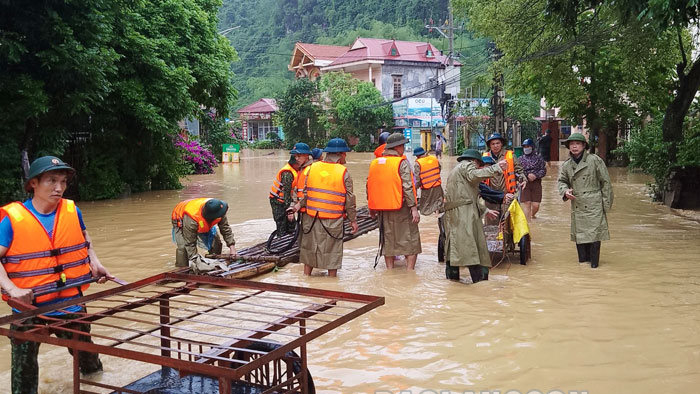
{"type": "Point", "coordinates": [413, 78]}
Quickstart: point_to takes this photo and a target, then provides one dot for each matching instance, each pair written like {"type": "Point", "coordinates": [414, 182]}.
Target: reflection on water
{"type": "Point", "coordinates": [628, 327]}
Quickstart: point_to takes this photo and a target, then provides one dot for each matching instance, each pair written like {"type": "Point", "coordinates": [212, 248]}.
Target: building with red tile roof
{"type": "Point", "coordinates": [257, 119]}
{"type": "Point", "coordinates": [307, 59]}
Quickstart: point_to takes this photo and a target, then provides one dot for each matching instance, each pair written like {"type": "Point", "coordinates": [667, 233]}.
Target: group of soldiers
{"type": "Point", "coordinates": [320, 191]}
{"type": "Point", "coordinates": [47, 256]}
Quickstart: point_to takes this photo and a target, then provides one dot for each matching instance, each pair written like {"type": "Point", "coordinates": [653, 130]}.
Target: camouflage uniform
{"type": "Point", "coordinates": [185, 238]}
{"type": "Point", "coordinates": [279, 213]}
{"type": "Point", "coordinates": [25, 367]}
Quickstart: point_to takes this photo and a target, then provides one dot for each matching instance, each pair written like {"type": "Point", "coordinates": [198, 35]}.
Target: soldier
{"type": "Point", "coordinates": [466, 241]}
{"type": "Point", "coordinates": [284, 188]}
{"type": "Point", "coordinates": [382, 143]}
{"type": "Point", "coordinates": [584, 180]}
{"type": "Point", "coordinates": [426, 172]}
{"type": "Point", "coordinates": [513, 174]}
{"type": "Point", "coordinates": [328, 197]}
{"type": "Point", "coordinates": [44, 245]}
{"type": "Point", "coordinates": [391, 193]}
{"type": "Point", "coordinates": [199, 218]}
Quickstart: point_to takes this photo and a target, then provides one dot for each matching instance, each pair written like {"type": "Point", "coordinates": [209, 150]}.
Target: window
{"type": "Point", "coordinates": [394, 52]}
{"type": "Point", "coordinates": [429, 53]}
{"type": "Point", "coordinates": [397, 86]}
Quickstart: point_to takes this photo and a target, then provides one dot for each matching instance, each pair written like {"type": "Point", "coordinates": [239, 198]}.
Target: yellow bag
{"type": "Point", "coordinates": [518, 221]}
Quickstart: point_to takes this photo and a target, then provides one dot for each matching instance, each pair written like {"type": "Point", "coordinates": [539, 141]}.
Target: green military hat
{"type": "Point", "coordinates": [576, 137]}
{"type": "Point", "coordinates": [395, 140]}
{"type": "Point", "coordinates": [470, 154]}
{"type": "Point", "coordinates": [214, 209]}
{"type": "Point", "coordinates": [46, 164]}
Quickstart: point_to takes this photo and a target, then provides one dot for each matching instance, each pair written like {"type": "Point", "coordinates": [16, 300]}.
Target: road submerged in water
{"type": "Point", "coordinates": [628, 327]}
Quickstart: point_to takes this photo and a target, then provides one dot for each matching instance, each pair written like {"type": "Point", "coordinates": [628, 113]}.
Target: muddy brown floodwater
{"type": "Point", "coordinates": [630, 326]}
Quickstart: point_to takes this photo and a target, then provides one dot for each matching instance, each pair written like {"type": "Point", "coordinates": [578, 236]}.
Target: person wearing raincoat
{"type": "Point", "coordinates": [584, 180]}
{"type": "Point", "coordinates": [466, 241]}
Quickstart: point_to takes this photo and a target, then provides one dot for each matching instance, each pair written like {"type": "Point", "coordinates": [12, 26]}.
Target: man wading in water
{"type": "Point", "coordinates": [283, 189]}
{"type": "Point", "coordinates": [584, 180]}
{"type": "Point", "coordinates": [44, 245]}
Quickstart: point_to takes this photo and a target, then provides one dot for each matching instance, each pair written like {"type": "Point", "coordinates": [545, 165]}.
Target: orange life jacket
{"type": "Point", "coordinates": [193, 208]}
{"type": "Point", "coordinates": [384, 190]}
{"type": "Point", "coordinates": [276, 189]}
{"type": "Point", "coordinates": [509, 173]}
{"type": "Point", "coordinates": [42, 263]}
{"type": "Point", "coordinates": [325, 190]}
{"type": "Point", "coordinates": [429, 172]}
{"type": "Point", "coordinates": [379, 152]}
{"type": "Point", "coordinates": [301, 180]}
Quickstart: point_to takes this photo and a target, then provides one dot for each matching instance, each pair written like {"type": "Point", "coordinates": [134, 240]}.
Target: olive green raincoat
{"type": "Point", "coordinates": [591, 186]}
{"type": "Point", "coordinates": [466, 241]}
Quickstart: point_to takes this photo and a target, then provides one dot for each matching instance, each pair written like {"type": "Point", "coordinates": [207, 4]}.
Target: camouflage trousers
{"type": "Point", "coordinates": [279, 214]}
{"type": "Point", "coordinates": [25, 367]}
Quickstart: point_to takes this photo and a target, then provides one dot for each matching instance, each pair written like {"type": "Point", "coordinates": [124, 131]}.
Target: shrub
{"type": "Point", "coordinates": [200, 158]}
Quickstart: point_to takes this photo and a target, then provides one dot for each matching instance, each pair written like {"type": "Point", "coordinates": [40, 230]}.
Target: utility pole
{"type": "Point", "coordinates": [446, 99]}
{"type": "Point", "coordinates": [498, 99]}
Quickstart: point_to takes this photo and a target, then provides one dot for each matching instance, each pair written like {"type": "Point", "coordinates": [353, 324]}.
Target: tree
{"type": "Point", "coordinates": [105, 84]}
{"type": "Point", "coordinates": [591, 68]}
{"type": "Point", "coordinates": [355, 108]}
{"type": "Point", "coordinates": [299, 115]}
{"type": "Point", "coordinates": [666, 18]}
{"type": "Point", "coordinates": [55, 66]}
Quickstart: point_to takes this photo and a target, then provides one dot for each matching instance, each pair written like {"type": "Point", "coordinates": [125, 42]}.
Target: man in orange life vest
{"type": "Point", "coordinates": [328, 197]}
{"type": "Point", "coordinates": [513, 174]}
{"type": "Point", "coordinates": [44, 246]}
{"type": "Point", "coordinates": [392, 194]}
{"type": "Point", "coordinates": [199, 218]}
{"type": "Point", "coordinates": [426, 173]}
{"type": "Point", "coordinates": [283, 190]}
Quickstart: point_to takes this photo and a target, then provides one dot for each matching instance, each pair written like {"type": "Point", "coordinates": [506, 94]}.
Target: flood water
{"type": "Point", "coordinates": [630, 326]}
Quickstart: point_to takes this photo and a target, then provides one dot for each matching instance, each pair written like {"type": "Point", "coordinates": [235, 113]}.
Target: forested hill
{"type": "Point", "coordinates": [265, 32]}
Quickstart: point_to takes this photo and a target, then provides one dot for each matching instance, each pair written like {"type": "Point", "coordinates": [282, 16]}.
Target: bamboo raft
{"type": "Point", "coordinates": [257, 260]}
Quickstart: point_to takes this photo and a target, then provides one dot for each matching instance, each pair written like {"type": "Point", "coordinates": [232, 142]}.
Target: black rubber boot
{"type": "Point", "coordinates": [441, 240]}
{"type": "Point", "coordinates": [595, 254]}
{"type": "Point", "coordinates": [478, 273]}
{"type": "Point", "coordinates": [584, 252]}
{"type": "Point", "coordinates": [451, 273]}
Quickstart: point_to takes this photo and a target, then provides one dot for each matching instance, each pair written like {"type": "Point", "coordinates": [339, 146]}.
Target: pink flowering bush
{"type": "Point", "coordinates": [200, 159]}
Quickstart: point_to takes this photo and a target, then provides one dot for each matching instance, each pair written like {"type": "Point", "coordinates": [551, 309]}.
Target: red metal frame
{"type": "Point", "coordinates": [167, 309]}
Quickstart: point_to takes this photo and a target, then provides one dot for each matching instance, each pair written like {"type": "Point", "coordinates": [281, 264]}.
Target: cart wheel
{"type": "Point", "coordinates": [268, 347]}
{"type": "Point", "coordinates": [285, 246]}
{"type": "Point", "coordinates": [523, 244]}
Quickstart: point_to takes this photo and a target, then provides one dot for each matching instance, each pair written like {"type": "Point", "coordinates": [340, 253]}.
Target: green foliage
{"type": "Point", "coordinates": [523, 108]}
{"type": "Point", "coordinates": [215, 132]}
{"type": "Point", "coordinates": [270, 28]}
{"type": "Point", "coordinates": [589, 66]}
{"type": "Point", "coordinates": [646, 150]}
{"type": "Point", "coordinates": [101, 80]}
{"type": "Point", "coordinates": [355, 108]}
{"type": "Point", "coordinates": [299, 116]}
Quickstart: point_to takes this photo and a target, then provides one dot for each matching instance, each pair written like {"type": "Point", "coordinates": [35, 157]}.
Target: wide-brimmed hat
{"type": "Point", "coordinates": [301, 148]}
{"type": "Point", "coordinates": [316, 153]}
{"type": "Point", "coordinates": [45, 164]}
{"type": "Point", "coordinates": [576, 137]}
{"type": "Point", "coordinates": [214, 209]}
{"type": "Point", "coordinates": [419, 151]}
{"type": "Point", "coordinates": [395, 140]}
{"type": "Point", "coordinates": [336, 145]}
{"type": "Point", "coordinates": [470, 154]}
{"type": "Point", "coordinates": [495, 136]}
